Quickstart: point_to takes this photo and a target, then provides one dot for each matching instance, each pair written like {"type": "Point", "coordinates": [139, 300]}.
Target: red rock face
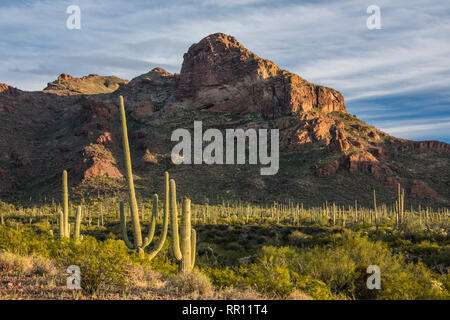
{"type": "Point", "coordinates": [423, 147]}
{"type": "Point", "coordinates": [219, 74]}
{"type": "Point", "coordinates": [99, 163]}
{"type": "Point", "coordinates": [102, 168]}
{"type": "Point", "coordinates": [339, 141]}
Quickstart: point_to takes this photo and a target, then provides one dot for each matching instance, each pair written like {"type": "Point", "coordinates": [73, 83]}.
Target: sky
{"type": "Point", "coordinates": [396, 78]}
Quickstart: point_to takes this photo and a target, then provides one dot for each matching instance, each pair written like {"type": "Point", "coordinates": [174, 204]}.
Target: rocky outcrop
{"type": "Point", "coordinates": [92, 84]}
{"type": "Point", "coordinates": [421, 147]}
{"type": "Point", "coordinates": [151, 92]}
{"type": "Point", "coordinates": [219, 74]}
{"type": "Point", "coordinates": [8, 90]}
{"type": "Point", "coordinates": [339, 141]}
{"type": "Point", "coordinates": [328, 169]}
{"type": "Point", "coordinates": [99, 162]}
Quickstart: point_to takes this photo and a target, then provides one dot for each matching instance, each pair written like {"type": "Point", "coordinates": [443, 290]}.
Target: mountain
{"type": "Point", "coordinates": [327, 154]}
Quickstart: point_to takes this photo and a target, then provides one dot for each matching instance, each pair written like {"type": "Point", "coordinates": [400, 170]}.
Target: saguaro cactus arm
{"type": "Point", "coordinates": [163, 237]}
{"type": "Point", "coordinates": [129, 175]}
{"type": "Point", "coordinates": [62, 231]}
{"type": "Point", "coordinates": [78, 223]}
{"type": "Point", "coordinates": [123, 226]}
{"type": "Point", "coordinates": [193, 247]}
{"type": "Point", "coordinates": [151, 230]}
{"type": "Point", "coordinates": [174, 220]}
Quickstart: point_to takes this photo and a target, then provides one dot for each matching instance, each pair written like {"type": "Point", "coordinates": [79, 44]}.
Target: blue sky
{"type": "Point", "coordinates": [396, 78]}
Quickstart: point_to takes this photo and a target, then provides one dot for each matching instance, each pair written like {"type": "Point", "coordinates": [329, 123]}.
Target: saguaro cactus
{"type": "Point", "coordinates": [78, 224]}
{"type": "Point", "coordinates": [375, 208]}
{"type": "Point", "coordinates": [138, 244]}
{"type": "Point", "coordinates": [129, 175]}
{"type": "Point", "coordinates": [64, 226]}
{"type": "Point", "coordinates": [151, 231]}
{"type": "Point", "coordinates": [184, 250]}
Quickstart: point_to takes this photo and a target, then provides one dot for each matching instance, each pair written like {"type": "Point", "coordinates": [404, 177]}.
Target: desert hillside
{"type": "Point", "coordinates": [327, 154]}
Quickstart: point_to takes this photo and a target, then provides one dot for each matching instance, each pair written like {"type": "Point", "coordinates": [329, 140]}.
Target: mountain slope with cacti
{"type": "Point", "coordinates": [326, 153]}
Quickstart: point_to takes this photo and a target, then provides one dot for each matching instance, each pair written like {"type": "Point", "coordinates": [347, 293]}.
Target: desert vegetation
{"type": "Point", "coordinates": [229, 250]}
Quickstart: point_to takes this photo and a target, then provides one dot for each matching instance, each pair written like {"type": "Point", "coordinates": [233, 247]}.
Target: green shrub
{"type": "Point", "coordinates": [102, 264]}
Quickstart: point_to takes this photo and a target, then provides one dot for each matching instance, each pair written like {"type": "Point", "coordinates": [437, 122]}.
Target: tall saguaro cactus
{"type": "Point", "coordinates": [78, 224]}
{"type": "Point", "coordinates": [129, 175]}
{"type": "Point", "coordinates": [375, 208]}
{"type": "Point", "coordinates": [184, 250]}
{"type": "Point", "coordinates": [138, 244]}
{"type": "Point", "coordinates": [64, 226]}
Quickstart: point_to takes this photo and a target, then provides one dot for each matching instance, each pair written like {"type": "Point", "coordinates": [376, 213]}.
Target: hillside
{"type": "Point", "coordinates": [326, 153]}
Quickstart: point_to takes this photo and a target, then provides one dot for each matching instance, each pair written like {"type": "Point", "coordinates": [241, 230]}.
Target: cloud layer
{"type": "Point", "coordinates": [396, 78]}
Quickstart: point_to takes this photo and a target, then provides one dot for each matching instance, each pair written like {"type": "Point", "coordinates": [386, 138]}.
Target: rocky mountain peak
{"type": "Point", "coordinates": [220, 74]}
{"type": "Point", "coordinates": [66, 84]}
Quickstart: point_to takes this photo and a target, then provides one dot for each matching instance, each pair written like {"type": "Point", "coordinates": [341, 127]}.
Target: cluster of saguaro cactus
{"type": "Point", "coordinates": [64, 226]}
{"type": "Point", "coordinates": [138, 244]}
{"type": "Point", "coordinates": [184, 251]}
{"type": "Point", "coordinates": [151, 232]}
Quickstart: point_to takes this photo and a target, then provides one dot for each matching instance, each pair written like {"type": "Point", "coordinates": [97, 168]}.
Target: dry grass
{"type": "Point", "coordinates": [299, 295]}
{"type": "Point", "coordinates": [35, 264]}
{"type": "Point", "coordinates": [34, 277]}
{"type": "Point", "coordinates": [241, 294]}
{"type": "Point", "coordinates": [11, 262]}
{"type": "Point", "coordinates": [192, 284]}
{"type": "Point", "coordinates": [144, 277]}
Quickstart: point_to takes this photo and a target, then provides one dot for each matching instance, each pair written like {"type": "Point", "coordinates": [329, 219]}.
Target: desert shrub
{"type": "Point", "coordinates": [224, 277]}
{"type": "Point", "coordinates": [192, 282]}
{"type": "Point", "coordinates": [413, 282]}
{"type": "Point", "coordinates": [433, 254]}
{"type": "Point", "coordinates": [272, 260]}
{"type": "Point", "coordinates": [343, 268]}
{"type": "Point", "coordinates": [272, 274]}
{"type": "Point", "coordinates": [270, 279]}
{"type": "Point", "coordinates": [241, 294]}
{"type": "Point", "coordinates": [298, 238]}
{"type": "Point", "coordinates": [23, 243]}
{"type": "Point", "coordinates": [426, 248]}
{"type": "Point", "coordinates": [143, 276]}
{"type": "Point", "coordinates": [102, 264]}
{"type": "Point", "coordinates": [161, 263]}
{"type": "Point", "coordinates": [11, 262]}
{"type": "Point", "coordinates": [315, 288]}
{"type": "Point", "coordinates": [42, 266]}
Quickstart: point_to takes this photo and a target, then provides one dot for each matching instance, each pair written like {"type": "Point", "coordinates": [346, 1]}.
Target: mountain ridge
{"type": "Point", "coordinates": [73, 124]}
